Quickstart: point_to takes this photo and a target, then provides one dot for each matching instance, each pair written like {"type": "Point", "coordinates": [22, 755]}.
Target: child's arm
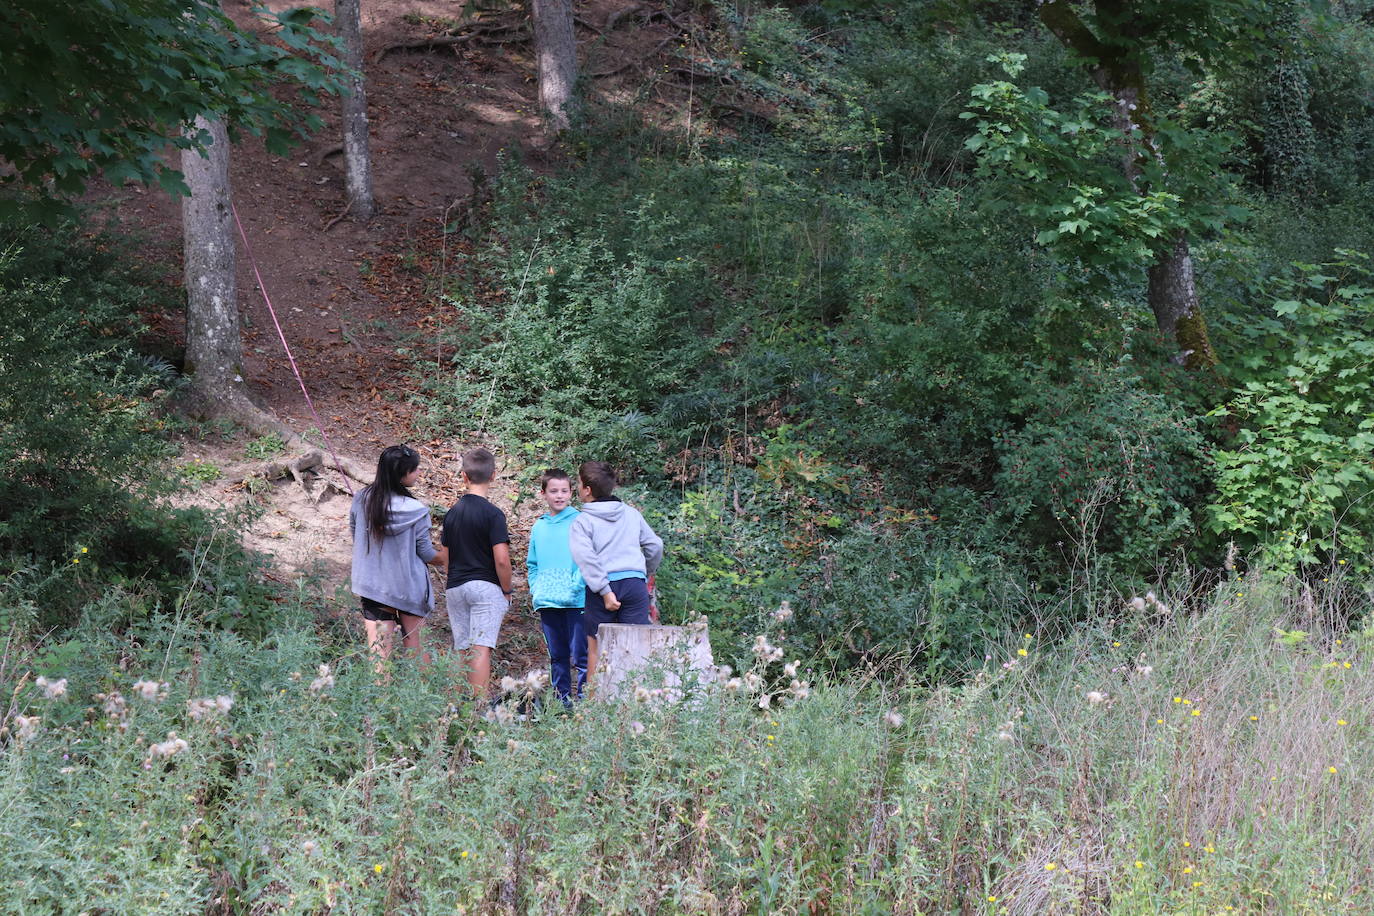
{"type": "Point", "coordinates": [424, 545]}
{"type": "Point", "coordinates": [531, 561]}
{"type": "Point", "coordinates": [651, 545]}
{"type": "Point", "coordinates": [501, 554]}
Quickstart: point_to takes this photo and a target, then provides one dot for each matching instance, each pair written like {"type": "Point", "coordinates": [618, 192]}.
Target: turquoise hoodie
{"type": "Point", "coordinates": [553, 576]}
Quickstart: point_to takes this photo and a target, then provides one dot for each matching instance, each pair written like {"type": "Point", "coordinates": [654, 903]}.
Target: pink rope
{"type": "Point", "coordinates": [262, 288]}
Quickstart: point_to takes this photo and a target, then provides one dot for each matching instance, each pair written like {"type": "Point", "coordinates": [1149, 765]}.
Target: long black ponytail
{"type": "Point", "coordinates": [396, 461]}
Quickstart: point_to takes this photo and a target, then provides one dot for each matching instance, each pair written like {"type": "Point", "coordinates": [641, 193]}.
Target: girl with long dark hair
{"type": "Point", "coordinates": [391, 545]}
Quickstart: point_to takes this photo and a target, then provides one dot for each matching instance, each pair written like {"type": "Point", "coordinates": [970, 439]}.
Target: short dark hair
{"type": "Point", "coordinates": [599, 477]}
{"type": "Point", "coordinates": [479, 464]}
{"type": "Point", "coordinates": [552, 474]}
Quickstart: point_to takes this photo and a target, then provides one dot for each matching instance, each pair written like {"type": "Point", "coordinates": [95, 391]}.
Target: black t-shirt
{"type": "Point", "coordinates": [471, 529]}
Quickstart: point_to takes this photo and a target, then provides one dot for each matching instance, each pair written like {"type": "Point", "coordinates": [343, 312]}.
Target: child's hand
{"type": "Point", "coordinates": [611, 602]}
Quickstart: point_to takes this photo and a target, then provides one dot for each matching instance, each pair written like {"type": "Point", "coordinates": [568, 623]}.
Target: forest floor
{"type": "Point", "coordinates": [354, 298]}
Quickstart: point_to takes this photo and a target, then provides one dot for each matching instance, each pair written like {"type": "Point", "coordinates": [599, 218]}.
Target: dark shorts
{"type": "Point", "coordinates": [634, 606]}
{"type": "Point", "coordinates": [374, 610]}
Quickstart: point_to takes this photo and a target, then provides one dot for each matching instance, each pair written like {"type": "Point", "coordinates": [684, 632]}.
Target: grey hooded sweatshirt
{"type": "Point", "coordinates": [611, 537]}
{"type": "Point", "coordinates": [391, 571]}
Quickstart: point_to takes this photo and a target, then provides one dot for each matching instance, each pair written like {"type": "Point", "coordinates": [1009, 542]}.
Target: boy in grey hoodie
{"type": "Point", "coordinates": [616, 551]}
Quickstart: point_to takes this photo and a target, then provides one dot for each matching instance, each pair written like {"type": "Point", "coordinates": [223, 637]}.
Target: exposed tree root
{"type": "Point", "coordinates": [587, 25]}
{"type": "Point", "coordinates": [304, 469]}
{"type": "Point", "coordinates": [472, 33]}
{"type": "Point", "coordinates": [617, 15]}
{"type": "Point", "coordinates": [636, 63]}
{"type": "Point", "coordinates": [234, 405]}
{"type": "Point", "coordinates": [335, 150]}
{"type": "Point", "coordinates": [334, 219]}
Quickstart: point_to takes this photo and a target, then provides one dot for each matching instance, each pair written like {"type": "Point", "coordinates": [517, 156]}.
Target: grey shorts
{"type": "Point", "coordinates": [475, 612]}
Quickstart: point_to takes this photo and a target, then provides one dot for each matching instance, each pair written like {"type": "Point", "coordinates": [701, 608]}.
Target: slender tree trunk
{"type": "Point", "coordinates": [555, 48]}
{"type": "Point", "coordinates": [357, 157]}
{"type": "Point", "coordinates": [214, 349]}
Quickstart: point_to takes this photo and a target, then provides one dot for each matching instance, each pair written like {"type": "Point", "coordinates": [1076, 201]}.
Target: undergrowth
{"type": "Point", "coordinates": [1161, 761]}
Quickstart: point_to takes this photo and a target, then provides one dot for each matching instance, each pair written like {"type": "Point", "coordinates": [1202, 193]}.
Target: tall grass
{"type": "Point", "coordinates": [1161, 762]}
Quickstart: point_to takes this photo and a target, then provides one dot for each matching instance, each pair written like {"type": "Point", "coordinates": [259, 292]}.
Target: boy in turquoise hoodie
{"type": "Point", "coordinates": [556, 587]}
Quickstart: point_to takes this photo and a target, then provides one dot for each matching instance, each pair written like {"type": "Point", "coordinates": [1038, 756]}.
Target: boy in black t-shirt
{"type": "Point", "coordinates": [479, 586]}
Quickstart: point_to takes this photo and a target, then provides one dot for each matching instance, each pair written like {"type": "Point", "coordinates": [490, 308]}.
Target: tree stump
{"type": "Point", "coordinates": [654, 658]}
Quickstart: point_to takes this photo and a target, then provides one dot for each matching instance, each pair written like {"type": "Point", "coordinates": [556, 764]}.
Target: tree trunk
{"type": "Point", "coordinates": [214, 349]}
{"type": "Point", "coordinates": [357, 157]}
{"type": "Point", "coordinates": [1290, 140]}
{"type": "Point", "coordinates": [1173, 298]}
{"type": "Point", "coordinates": [555, 48]}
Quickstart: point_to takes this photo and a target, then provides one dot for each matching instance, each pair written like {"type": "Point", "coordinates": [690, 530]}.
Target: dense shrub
{"type": "Point", "coordinates": [740, 317]}
{"type": "Point", "coordinates": [77, 436]}
{"type": "Point", "coordinates": [82, 447]}
{"type": "Point", "coordinates": [1296, 480]}
{"type": "Point", "coordinates": [1104, 465]}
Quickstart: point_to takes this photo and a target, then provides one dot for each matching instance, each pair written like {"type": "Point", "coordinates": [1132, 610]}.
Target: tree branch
{"type": "Point", "coordinates": [1061, 19]}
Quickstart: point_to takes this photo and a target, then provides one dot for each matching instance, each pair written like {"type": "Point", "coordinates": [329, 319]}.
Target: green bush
{"type": "Point", "coordinates": [1296, 480]}
{"type": "Point", "coordinates": [79, 431]}
{"type": "Point", "coordinates": [1105, 465]}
